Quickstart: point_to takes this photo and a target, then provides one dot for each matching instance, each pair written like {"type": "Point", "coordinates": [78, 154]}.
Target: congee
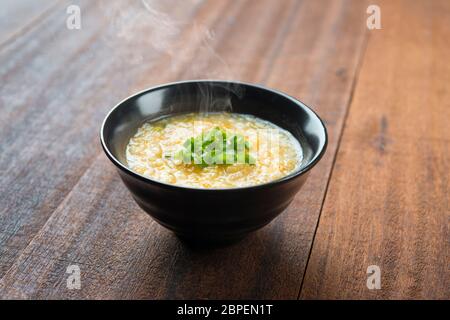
{"type": "Point", "coordinates": [213, 150]}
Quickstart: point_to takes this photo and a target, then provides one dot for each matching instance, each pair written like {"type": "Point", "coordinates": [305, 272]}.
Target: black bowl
{"type": "Point", "coordinates": [211, 215]}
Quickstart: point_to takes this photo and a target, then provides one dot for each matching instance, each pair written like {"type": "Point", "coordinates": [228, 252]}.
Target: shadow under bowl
{"type": "Point", "coordinates": [213, 215]}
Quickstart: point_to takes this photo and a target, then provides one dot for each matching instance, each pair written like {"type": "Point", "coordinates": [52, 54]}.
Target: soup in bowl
{"type": "Point", "coordinates": [268, 152]}
{"type": "Point", "coordinates": [213, 169]}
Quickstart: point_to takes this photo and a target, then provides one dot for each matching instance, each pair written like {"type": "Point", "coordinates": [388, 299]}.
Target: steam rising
{"type": "Point", "coordinates": [166, 40]}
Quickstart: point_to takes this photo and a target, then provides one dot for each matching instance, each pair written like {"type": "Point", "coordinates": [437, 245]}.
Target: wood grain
{"type": "Point", "coordinates": [56, 98]}
{"type": "Point", "coordinates": [83, 215]}
{"type": "Point", "coordinates": [388, 201]}
{"type": "Point", "coordinates": [18, 16]}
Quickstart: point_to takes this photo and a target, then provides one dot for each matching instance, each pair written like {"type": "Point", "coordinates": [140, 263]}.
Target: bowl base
{"type": "Point", "coordinates": [200, 242]}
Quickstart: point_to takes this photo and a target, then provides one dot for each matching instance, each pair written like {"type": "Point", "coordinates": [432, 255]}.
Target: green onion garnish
{"type": "Point", "coordinates": [215, 147]}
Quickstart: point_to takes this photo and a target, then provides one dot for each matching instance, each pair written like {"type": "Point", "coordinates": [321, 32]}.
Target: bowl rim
{"type": "Point", "coordinates": [284, 179]}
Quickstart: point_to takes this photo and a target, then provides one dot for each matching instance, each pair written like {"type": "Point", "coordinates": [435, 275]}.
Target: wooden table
{"type": "Point", "coordinates": [379, 197]}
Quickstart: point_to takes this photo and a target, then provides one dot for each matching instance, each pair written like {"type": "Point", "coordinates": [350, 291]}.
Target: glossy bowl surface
{"type": "Point", "coordinates": [213, 215]}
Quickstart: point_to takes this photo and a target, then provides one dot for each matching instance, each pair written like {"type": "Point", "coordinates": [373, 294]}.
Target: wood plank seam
{"type": "Point", "coordinates": [387, 202]}
{"type": "Point", "coordinates": [341, 134]}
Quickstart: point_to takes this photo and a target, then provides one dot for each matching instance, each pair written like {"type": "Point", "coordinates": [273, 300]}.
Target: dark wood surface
{"type": "Point", "coordinates": [388, 199]}
{"type": "Point", "coordinates": [379, 196]}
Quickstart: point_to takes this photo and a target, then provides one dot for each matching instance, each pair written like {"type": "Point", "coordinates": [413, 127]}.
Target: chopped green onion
{"type": "Point", "coordinates": [214, 148]}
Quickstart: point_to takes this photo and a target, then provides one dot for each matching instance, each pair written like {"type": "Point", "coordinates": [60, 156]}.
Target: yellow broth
{"type": "Point", "coordinates": [276, 151]}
